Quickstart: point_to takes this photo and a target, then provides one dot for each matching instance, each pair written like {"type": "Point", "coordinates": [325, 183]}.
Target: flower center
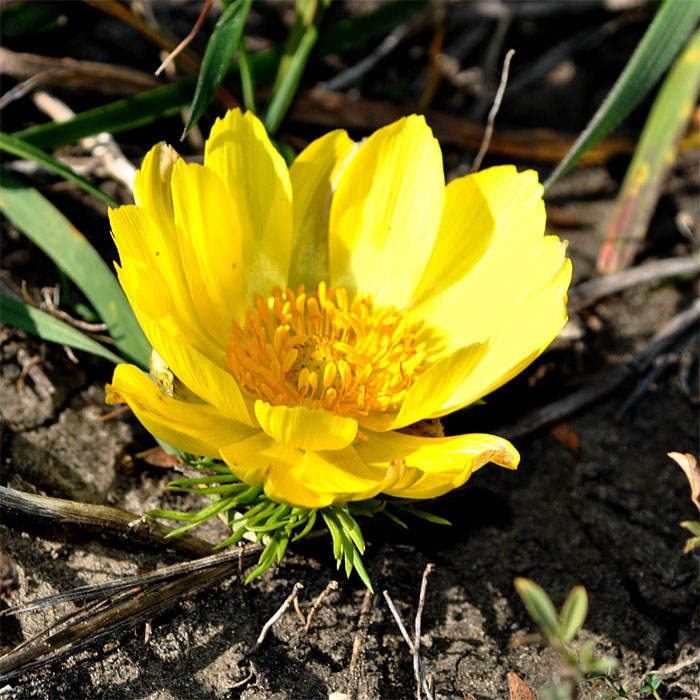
{"type": "Point", "coordinates": [323, 352]}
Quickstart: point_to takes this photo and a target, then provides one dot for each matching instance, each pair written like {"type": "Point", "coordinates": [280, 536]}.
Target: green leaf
{"type": "Point", "coordinates": [692, 525]}
{"type": "Point", "coordinates": [292, 67]}
{"type": "Point", "coordinates": [359, 566]}
{"type": "Point", "coordinates": [247, 78]}
{"type": "Point", "coordinates": [538, 605]}
{"type": "Point", "coordinates": [311, 521]}
{"type": "Point", "coordinates": [26, 317]}
{"type": "Point", "coordinates": [653, 156]}
{"type": "Point", "coordinates": [573, 613]}
{"type": "Point", "coordinates": [672, 25]}
{"type": "Point", "coordinates": [11, 144]}
{"type": "Point", "coordinates": [45, 226]}
{"type": "Point", "coordinates": [217, 58]}
{"type": "Point", "coordinates": [422, 514]}
{"type": "Point", "coordinates": [350, 527]}
{"type": "Point", "coordinates": [336, 534]}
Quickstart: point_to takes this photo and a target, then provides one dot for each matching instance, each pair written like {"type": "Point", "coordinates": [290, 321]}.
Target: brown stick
{"type": "Point", "coordinates": [27, 511]}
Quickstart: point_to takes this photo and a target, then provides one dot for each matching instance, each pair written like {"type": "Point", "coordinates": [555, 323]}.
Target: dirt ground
{"type": "Point", "coordinates": [596, 502]}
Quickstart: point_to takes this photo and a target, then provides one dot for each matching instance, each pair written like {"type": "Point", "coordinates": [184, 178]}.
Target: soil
{"type": "Point", "coordinates": [596, 502]}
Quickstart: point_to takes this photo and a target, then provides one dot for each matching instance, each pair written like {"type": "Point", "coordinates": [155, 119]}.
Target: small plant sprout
{"type": "Point", "coordinates": [651, 685]}
{"type": "Point", "coordinates": [559, 630]}
{"type": "Point", "coordinates": [689, 465]}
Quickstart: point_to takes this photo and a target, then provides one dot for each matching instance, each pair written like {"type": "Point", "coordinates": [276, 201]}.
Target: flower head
{"type": "Point", "coordinates": [304, 318]}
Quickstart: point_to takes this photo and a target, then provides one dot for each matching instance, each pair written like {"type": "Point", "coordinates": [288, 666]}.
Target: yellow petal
{"type": "Point", "coordinates": [152, 187]}
{"type": "Point", "coordinates": [314, 175]}
{"type": "Point", "coordinates": [298, 426]}
{"type": "Point", "coordinates": [434, 466]}
{"type": "Point", "coordinates": [466, 231]}
{"type": "Point", "coordinates": [303, 478]}
{"type": "Point", "coordinates": [385, 213]}
{"type": "Point", "coordinates": [146, 275]}
{"type": "Point", "coordinates": [239, 151]}
{"type": "Point", "coordinates": [519, 261]}
{"type": "Point", "coordinates": [210, 240]}
{"type": "Point", "coordinates": [192, 427]}
{"type": "Point", "coordinates": [522, 337]}
{"type": "Point", "coordinates": [205, 376]}
{"type": "Point", "coordinates": [431, 390]}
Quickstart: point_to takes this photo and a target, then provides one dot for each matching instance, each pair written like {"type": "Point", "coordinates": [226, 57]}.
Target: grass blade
{"type": "Point", "coordinates": [654, 155]}
{"type": "Point", "coordinates": [671, 26]}
{"type": "Point", "coordinates": [292, 67]}
{"type": "Point", "coordinates": [17, 147]}
{"type": "Point", "coordinates": [247, 78]}
{"type": "Point", "coordinates": [16, 313]}
{"type": "Point", "coordinates": [45, 226]}
{"type": "Point", "coordinates": [217, 58]}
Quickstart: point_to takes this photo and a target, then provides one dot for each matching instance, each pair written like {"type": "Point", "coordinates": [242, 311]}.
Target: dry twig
{"type": "Point", "coordinates": [332, 586]}
{"type": "Point", "coordinates": [494, 111]}
{"type": "Point", "coordinates": [362, 625]}
{"type": "Point", "coordinates": [268, 625]}
{"type": "Point", "coordinates": [422, 680]}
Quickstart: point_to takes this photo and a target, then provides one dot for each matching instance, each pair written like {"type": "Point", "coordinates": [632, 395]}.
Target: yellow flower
{"type": "Point", "coordinates": [311, 314]}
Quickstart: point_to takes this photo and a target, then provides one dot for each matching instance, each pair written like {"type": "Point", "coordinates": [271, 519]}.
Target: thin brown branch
{"type": "Point", "coordinates": [488, 133]}
{"type": "Point", "coordinates": [268, 625]}
{"type": "Point", "coordinates": [27, 510]}
{"type": "Point", "coordinates": [188, 39]}
{"type": "Point", "coordinates": [332, 586]}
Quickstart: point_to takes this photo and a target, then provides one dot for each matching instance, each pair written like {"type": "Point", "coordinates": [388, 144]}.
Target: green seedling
{"type": "Point", "coordinates": [558, 630]}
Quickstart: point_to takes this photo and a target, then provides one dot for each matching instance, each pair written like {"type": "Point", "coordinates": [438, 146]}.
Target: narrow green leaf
{"type": "Point", "coordinates": [267, 559]}
{"type": "Point", "coordinates": [351, 528]}
{"type": "Point", "coordinates": [29, 18]}
{"type": "Point", "coordinates": [422, 514]}
{"type": "Point", "coordinates": [395, 518]}
{"type": "Point", "coordinates": [247, 78]}
{"type": "Point", "coordinates": [11, 144]}
{"type": "Point", "coordinates": [672, 25]}
{"type": "Point", "coordinates": [291, 73]}
{"type": "Point", "coordinates": [45, 226]}
{"type": "Point", "coordinates": [311, 521]}
{"type": "Point", "coordinates": [573, 613]}
{"type": "Point", "coordinates": [538, 605]}
{"type": "Point", "coordinates": [336, 534]}
{"type": "Point", "coordinates": [359, 566]}
{"type": "Point", "coordinates": [171, 515]}
{"type": "Point", "coordinates": [217, 58]}
{"type": "Point", "coordinates": [26, 317]}
{"type": "Point", "coordinates": [653, 156]}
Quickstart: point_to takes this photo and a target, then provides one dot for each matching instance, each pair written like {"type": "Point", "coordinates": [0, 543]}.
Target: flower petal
{"type": "Point", "coordinates": [192, 427]}
{"type": "Point", "coordinates": [300, 427]}
{"type": "Point", "coordinates": [314, 175]}
{"type": "Point", "coordinates": [385, 213]}
{"type": "Point", "coordinates": [523, 336]}
{"type": "Point", "coordinates": [303, 478]}
{"type": "Point", "coordinates": [466, 231]}
{"type": "Point", "coordinates": [239, 151]}
{"type": "Point", "coordinates": [434, 466]}
{"type": "Point", "coordinates": [204, 376]}
{"type": "Point", "coordinates": [210, 240]}
{"type": "Point", "coordinates": [147, 278]}
{"type": "Point", "coordinates": [431, 390]}
{"type": "Point", "coordinates": [519, 261]}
